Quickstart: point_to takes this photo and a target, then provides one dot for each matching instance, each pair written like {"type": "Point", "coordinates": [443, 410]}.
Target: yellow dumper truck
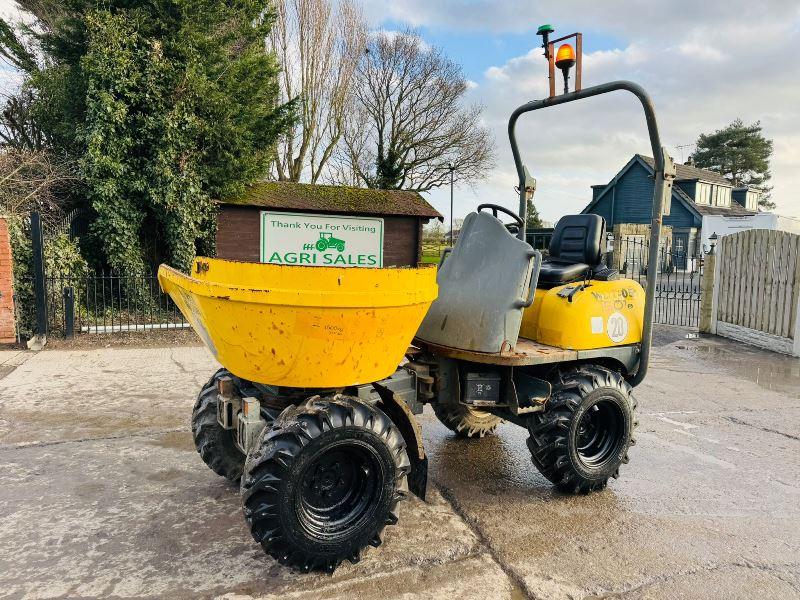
{"type": "Point", "coordinates": [325, 368]}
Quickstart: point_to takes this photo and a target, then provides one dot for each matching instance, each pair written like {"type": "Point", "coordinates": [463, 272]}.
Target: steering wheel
{"type": "Point", "coordinates": [496, 207]}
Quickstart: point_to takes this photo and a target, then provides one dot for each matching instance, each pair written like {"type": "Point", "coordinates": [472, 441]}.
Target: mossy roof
{"type": "Point", "coordinates": [334, 199]}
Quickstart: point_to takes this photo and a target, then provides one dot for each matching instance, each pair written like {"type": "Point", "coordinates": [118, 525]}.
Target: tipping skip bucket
{"type": "Point", "coordinates": [303, 326]}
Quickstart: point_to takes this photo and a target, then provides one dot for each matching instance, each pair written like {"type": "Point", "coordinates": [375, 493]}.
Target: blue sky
{"type": "Point", "coordinates": [705, 64]}
{"type": "Point", "coordinates": [476, 51]}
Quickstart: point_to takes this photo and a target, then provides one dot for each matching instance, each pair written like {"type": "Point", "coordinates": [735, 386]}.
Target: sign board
{"type": "Point", "coordinates": [321, 240]}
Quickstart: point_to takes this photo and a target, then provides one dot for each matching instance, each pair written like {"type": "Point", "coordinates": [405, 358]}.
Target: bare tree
{"type": "Point", "coordinates": [46, 12]}
{"type": "Point", "coordinates": [410, 121]}
{"type": "Point", "coordinates": [319, 48]}
{"type": "Point", "coordinates": [32, 180]}
{"type": "Point", "coordinates": [18, 127]}
{"type": "Point", "coordinates": [433, 232]}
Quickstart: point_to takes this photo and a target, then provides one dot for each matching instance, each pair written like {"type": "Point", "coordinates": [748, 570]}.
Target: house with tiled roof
{"type": "Point", "coordinates": [626, 202]}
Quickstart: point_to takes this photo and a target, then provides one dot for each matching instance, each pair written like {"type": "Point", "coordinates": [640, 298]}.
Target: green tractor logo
{"type": "Point", "coordinates": [326, 240]}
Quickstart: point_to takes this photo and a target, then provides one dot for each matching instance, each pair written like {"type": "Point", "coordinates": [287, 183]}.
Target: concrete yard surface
{"type": "Point", "coordinates": [103, 495]}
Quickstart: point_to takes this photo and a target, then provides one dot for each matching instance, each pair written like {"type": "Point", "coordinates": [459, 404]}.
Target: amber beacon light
{"type": "Point", "coordinates": [566, 57]}
{"type": "Point", "coordinates": [565, 60]}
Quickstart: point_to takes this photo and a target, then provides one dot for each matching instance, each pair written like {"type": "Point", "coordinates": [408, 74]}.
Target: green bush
{"type": "Point", "coordinates": [163, 106]}
{"type": "Point", "coordinates": [22, 254]}
{"type": "Point", "coordinates": [62, 258]}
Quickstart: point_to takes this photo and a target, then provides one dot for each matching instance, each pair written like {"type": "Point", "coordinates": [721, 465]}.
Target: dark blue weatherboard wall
{"type": "Point", "coordinates": [689, 187]}
{"type": "Point", "coordinates": [680, 216]}
{"type": "Point", "coordinates": [740, 196]}
{"type": "Point", "coordinates": [632, 202]}
{"type": "Point", "coordinates": [603, 208]}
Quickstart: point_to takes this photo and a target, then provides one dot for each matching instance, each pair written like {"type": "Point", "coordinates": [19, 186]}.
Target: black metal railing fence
{"type": "Point", "coordinates": [108, 302]}
{"type": "Point", "coordinates": [678, 277]}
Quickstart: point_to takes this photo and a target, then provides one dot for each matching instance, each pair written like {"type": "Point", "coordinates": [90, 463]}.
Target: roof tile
{"type": "Point", "coordinates": [335, 199]}
{"type": "Point", "coordinates": [684, 172]}
{"type": "Point", "coordinates": [704, 209]}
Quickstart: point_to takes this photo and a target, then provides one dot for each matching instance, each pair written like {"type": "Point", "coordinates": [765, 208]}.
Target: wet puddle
{"type": "Point", "coordinates": [176, 440]}
{"type": "Point", "coordinates": [769, 370]}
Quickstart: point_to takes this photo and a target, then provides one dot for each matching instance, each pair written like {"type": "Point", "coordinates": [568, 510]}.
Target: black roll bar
{"type": "Point", "coordinates": [664, 175]}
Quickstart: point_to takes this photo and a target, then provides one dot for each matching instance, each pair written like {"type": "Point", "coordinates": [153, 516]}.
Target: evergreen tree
{"type": "Point", "coordinates": [533, 221]}
{"type": "Point", "coordinates": [165, 105]}
{"type": "Point", "coordinates": [741, 154]}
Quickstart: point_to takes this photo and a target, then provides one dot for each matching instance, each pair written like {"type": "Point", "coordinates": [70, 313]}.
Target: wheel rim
{"type": "Point", "coordinates": [600, 433]}
{"type": "Point", "coordinates": [339, 489]}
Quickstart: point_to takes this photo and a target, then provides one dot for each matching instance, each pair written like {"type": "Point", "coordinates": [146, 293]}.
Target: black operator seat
{"type": "Point", "coordinates": [575, 251]}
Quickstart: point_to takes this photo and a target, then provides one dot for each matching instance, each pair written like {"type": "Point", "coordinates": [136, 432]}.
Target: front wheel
{"type": "Point", "coordinates": [324, 481]}
{"type": "Point", "coordinates": [216, 446]}
{"type": "Point", "coordinates": [582, 438]}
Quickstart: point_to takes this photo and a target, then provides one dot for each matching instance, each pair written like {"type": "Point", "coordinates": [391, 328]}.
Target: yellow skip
{"type": "Point", "coordinates": [303, 326]}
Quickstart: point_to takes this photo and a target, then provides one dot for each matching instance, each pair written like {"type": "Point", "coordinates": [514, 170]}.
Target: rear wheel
{"type": "Point", "coordinates": [324, 481]}
{"type": "Point", "coordinates": [466, 421]}
{"type": "Point", "coordinates": [216, 446]}
{"type": "Point", "coordinates": [584, 434]}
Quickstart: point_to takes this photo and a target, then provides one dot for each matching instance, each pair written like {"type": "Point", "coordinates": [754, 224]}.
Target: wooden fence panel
{"type": "Point", "coordinates": [758, 289]}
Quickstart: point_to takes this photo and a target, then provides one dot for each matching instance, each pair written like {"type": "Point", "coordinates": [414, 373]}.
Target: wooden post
{"type": "Point", "coordinates": [796, 284]}
{"type": "Point", "coordinates": [796, 340]}
{"type": "Point", "coordinates": [707, 293]}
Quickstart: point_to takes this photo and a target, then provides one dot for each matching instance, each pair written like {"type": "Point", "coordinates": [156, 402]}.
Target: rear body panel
{"type": "Point", "coordinates": [586, 316]}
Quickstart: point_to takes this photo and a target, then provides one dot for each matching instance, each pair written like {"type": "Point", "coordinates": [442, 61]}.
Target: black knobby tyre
{"type": "Point", "coordinates": [215, 445]}
{"type": "Point", "coordinates": [466, 421]}
{"type": "Point", "coordinates": [324, 481]}
{"type": "Point", "coordinates": [583, 437]}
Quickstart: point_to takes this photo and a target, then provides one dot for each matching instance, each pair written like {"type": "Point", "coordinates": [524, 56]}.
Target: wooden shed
{"type": "Point", "coordinates": [305, 224]}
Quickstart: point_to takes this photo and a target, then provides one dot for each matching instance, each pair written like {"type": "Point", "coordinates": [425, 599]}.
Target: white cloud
{"type": "Point", "coordinates": [392, 34]}
{"type": "Point", "coordinates": [628, 18]}
{"type": "Point", "coordinates": [704, 64]}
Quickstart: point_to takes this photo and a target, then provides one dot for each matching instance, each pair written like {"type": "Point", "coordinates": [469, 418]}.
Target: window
{"type": "Point", "coordinates": [723, 196]}
{"type": "Point", "coordinates": [751, 203]}
{"type": "Point", "coordinates": [714, 195]}
{"type": "Point", "coordinates": [702, 194]}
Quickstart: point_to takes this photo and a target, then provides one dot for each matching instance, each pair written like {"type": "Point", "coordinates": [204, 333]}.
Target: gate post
{"type": "Point", "coordinates": [69, 312]}
{"type": "Point", "coordinates": [707, 293]}
{"type": "Point", "coordinates": [39, 285]}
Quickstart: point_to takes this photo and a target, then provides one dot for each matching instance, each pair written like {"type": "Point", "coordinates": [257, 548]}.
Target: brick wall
{"type": "Point", "coordinates": [7, 330]}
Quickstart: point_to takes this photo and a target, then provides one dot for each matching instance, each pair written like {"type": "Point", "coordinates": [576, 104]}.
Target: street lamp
{"type": "Point", "coordinates": [451, 167]}
{"type": "Point", "coordinates": [713, 240]}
